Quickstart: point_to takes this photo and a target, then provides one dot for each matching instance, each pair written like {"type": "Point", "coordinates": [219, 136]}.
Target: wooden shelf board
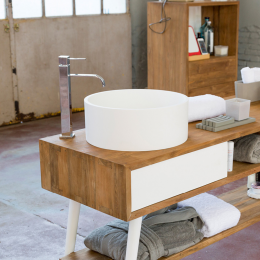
{"type": "Point", "coordinates": [213, 58]}
{"type": "Point", "coordinates": [212, 3]}
{"type": "Point", "coordinates": [250, 214]}
{"type": "Point", "coordinates": [199, 57]}
{"type": "Point", "coordinates": [85, 254]}
{"type": "Point", "coordinates": [204, 3]}
{"type": "Point", "coordinates": [223, 57]}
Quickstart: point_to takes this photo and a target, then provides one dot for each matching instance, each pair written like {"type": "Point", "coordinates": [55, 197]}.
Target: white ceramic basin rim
{"type": "Point", "coordinates": [136, 119]}
{"type": "Point", "coordinates": [135, 99]}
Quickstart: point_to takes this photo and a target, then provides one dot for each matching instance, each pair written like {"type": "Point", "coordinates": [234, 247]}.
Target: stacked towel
{"type": "Point", "coordinates": [248, 75]}
{"type": "Point", "coordinates": [216, 213]}
{"type": "Point", "coordinates": [205, 106]}
{"type": "Point", "coordinates": [247, 149]}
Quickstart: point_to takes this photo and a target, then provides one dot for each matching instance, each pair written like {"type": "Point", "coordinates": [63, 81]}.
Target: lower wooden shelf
{"type": "Point", "coordinates": [85, 254]}
{"type": "Point", "coordinates": [250, 214]}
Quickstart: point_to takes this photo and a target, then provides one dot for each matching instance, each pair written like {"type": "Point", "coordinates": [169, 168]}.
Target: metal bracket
{"type": "Point", "coordinates": [16, 27]}
{"type": "Point", "coordinates": [7, 28]}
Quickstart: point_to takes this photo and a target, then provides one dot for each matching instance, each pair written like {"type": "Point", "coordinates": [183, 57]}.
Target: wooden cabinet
{"type": "Point", "coordinates": [169, 67]}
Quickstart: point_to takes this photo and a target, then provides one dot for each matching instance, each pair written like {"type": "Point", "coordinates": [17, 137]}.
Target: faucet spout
{"type": "Point", "coordinates": [90, 75]}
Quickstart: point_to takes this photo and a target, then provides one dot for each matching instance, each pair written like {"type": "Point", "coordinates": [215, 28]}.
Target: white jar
{"type": "Point", "coordinates": [221, 50]}
{"type": "Point", "coordinates": [238, 108]}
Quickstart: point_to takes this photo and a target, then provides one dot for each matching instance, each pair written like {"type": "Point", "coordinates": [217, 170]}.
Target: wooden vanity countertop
{"type": "Point", "coordinates": [198, 139]}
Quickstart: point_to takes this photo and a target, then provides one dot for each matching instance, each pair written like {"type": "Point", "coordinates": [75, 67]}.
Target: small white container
{"type": "Point", "coordinates": [221, 50]}
{"type": "Point", "coordinates": [238, 108]}
{"type": "Point", "coordinates": [250, 179]}
{"type": "Point", "coordinates": [230, 155]}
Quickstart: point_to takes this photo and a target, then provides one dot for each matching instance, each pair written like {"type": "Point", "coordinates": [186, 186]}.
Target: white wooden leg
{"type": "Point", "coordinates": [72, 227]}
{"type": "Point", "coordinates": [133, 239]}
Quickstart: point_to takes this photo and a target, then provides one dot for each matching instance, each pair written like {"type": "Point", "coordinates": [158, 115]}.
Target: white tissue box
{"type": "Point", "coordinates": [238, 108]}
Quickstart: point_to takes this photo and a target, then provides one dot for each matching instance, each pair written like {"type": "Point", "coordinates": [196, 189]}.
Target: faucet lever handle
{"type": "Point", "coordinates": [77, 58]}
{"type": "Point", "coordinates": [65, 59]}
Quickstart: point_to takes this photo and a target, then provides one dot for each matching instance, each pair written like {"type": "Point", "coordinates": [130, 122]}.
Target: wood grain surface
{"type": "Point", "coordinates": [168, 52]}
{"type": "Point", "coordinates": [206, 3]}
{"type": "Point", "coordinates": [199, 57]}
{"type": "Point", "coordinates": [89, 180]}
{"type": "Point", "coordinates": [202, 75]}
{"type": "Point", "coordinates": [85, 254]}
{"type": "Point", "coordinates": [250, 214]}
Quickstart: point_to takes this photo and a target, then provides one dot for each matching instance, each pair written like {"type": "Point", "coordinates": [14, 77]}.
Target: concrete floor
{"type": "Point", "coordinates": [33, 221]}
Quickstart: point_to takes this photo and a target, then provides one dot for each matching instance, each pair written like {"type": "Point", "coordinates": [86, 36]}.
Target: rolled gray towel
{"type": "Point", "coordinates": [163, 233]}
{"type": "Point", "coordinates": [247, 149]}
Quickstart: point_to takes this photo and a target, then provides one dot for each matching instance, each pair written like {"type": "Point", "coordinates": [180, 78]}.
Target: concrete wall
{"type": "Point", "coordinates": [249, 35]}
{"type": "Point", "coordinates": [6, 84]}
{"type": "Point", "coordinates": [138, 11]}
{"type": "Point", "coordinates": [105, 40]}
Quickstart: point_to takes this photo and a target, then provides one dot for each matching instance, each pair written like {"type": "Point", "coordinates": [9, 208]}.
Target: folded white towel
{"type": "Point", "coordinates": [248, 75]}
{"type": "Point", "coordinates": [217, 214]}
{"type": "Point", "coordinates": [205, 106]}
{"type": "Point", "coordinates": [256, 74]}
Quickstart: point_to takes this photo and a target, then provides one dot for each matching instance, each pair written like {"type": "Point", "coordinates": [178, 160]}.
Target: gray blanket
{"type": "Point", "coordinates": [247, 149]}
{"type": "Point", "coordinates": [163, 233]}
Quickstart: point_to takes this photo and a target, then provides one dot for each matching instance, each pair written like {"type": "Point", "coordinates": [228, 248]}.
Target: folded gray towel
{"type": "Point", "coordinates": [247, 149]}
{"type": "Point", "coordinates": [163, 233]}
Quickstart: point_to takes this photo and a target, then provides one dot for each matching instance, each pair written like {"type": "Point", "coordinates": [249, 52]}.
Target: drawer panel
{"type": "Point", "coordinates": [213, 72]}
{"type": "Point", "coordinates": [214, 78]}
{"type": "Point", "coordinates": [178, 175]}
{"type": "Point", "coordinates": [212, 65]}
{"type": "Point", "coordinates": [226, 89]}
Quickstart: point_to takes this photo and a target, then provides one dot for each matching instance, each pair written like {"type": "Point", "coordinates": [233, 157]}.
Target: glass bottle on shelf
{"type": "Point", "coordinates": [209, 38]}
{"type": "Point", "coordinates": [202, 28]}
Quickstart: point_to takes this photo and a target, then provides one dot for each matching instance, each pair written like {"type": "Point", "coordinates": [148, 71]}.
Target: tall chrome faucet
{"type": "Point", "coordinates": [65, 94]}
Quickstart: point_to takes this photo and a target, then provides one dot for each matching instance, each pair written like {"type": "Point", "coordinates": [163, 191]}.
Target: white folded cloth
{"type": "Point", "coordinates": [256, 74]}
{"type": "Point", "coordinates": [205, 106]}
{"type": "Point", "coordinates": [217, 214]}
{"type": "Point", "coordinates": [248, 75]}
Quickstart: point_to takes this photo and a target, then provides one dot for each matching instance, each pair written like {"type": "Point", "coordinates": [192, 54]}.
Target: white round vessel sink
{"type": "Point", "coordinates": [136, 119]}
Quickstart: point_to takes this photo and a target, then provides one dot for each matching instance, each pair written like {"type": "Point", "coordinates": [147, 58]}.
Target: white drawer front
{"type": "Point", "coordinates": [172, 177]}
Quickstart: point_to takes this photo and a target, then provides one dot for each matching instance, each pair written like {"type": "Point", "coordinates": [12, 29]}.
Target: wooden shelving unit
{"type": "Point", "coordinates": [169, 67]}
{"type": "Point", "coordinates": [250, 214]}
